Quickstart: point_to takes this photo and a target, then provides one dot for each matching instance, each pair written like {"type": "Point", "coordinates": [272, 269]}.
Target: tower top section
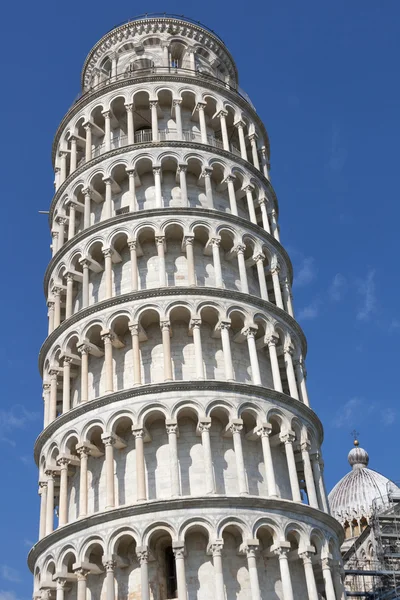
{"type": "Point", "coordinates": [158, 41]}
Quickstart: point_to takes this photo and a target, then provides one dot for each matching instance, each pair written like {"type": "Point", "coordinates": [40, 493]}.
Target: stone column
{"type": "Point", "coordinates": [134, 266]}
{"type": "Point", "coordinates": [172, 431]}
{"type": "Point", "coordinates": [240, 125]}
{"type": "Point", "coordinates": [250, 334]}
{"type": "Point", "coordinates": [274, 223]}
{"type": "Point", "coordinates": [69, 296]}
{"type": "Point", "coordinates": [215, 244]}
{"type": "Point", "coordinates": [338, 579]}
{"type": "Point", "coordinates": [224, 131]}
{"type": "Point", "coordinates": [63, 170]}
{"type": "Point", "coordinates": [143, 557]}
{"type": "Point", "coordinates": [166, 333]}
{"type": "Point", "coordinates": [71, 220]}
{"type": "Point", "coordinates": [165, 49]}
{"type": "Point", "coordinates": [182, 183]}
{"type": "Point", "coordinates": [108, 198]}
{"type": "Point", "coordinates": [206, 173]}
{"type": "Point", "coordinates": [287, 589]}
{"type": "Point", "coordinates": [109, 441]}
{"type": "Point", "coordinates": [204, 428]}
{"type": "Point", "coordinates": [309, 574]}
{"type": "Point", "coordinates": [250, 204]}
{"type": "Point", "coordinates": [107, 252]}
{"type": "Point", "coordinates": [137, 376]}
{"type": "Point", "coordinates": [253, 575]}
{"type": "Point", "coordinates": [63, 463]}
{"type": "Point", "coordinates": [178, 118]}
{"type": "Point", "coordinates": [54, 241]}
{"type": "Point", "coordinates": [46, 400]}
{"type": "Point", "coordinates": [232, 194]}
{"type": "Point", "coordinates": [189, 241]}
{"type": "Point", "coordinates": [259, 260]}
{"type": "Point", "coordinates": [301, 379]}
{"type": "Point", "coordinates": [107, 337]}
{"type": "Point", "coordinates": [88, 144]}
{"type": "Point", "coordinates": [157, 186]}
{"type": "Point", "coordinates": [179, 553]}
{"type": "Point", "coordinates": [254, 153]}
{"type": "Point", "coordinates": [287, 296]}
{"type": "Point", "coordinates": [53, 395]}
{"type": "Point", "coordinates": [288, 353]}
{"type": "Point", "coordinates": [130, 123]}
{"type": "Point", "coordinates": [236, 429]}
{"type": "Point", "coordinates": [83, 452]}
{"type": "Point", "coordinates": [224, 327]}
{"type": "Point", "coordinates": [85, 282]}
{"type": "Point", "coordinates": [198, 353]}
{"type": "Point", "coordinates": [160, 241]}
{"type": "Point", "coordinates": [81, 575]}
{"type": "Point", "coordinates": [240, 248]}
{"type": "Point", "coordinates": [272, 341]}
{"type": "Point", "coordinates": [109, 566]}
{"type": "Point", "coordinates": [114, 63]}
{"type": "Point", "coordinates": [264, 215]}
{"type": "Point", "coordinates": [43, 508]}
{"type": "Point", "coordinates": [264, 162]}
{"type": "Point", "coordinates": [288, 440]}
{"type": "Point", "coordinates": [57, 306]}
{"type": "Point", "coordinates": [308, 475]}
{"type": "Point", "coordinates": [61, 583]}
{"type": "Point", "coordinates": [140, 467]}
{"type": "Point", "coordinates": [107, 130]}
{"type": "Point", "coordinates": [50, 501]}
{"type": "Point", "coordinates": [86, 207]}
{"type": "Point", "coordinates": [202, 121]}
{"type": "Point", "coordinates": [327, 575]}
{"type": "Point", "coordinates": [50, 314]}
{"type": "Point", "coordinates": [72, 164]}
{"type": "Point", "coordinates": [132, 190]}
{"type": "Point", "coordinates": [316, 460]}
{"type": "Point", "coordinates": [264, 432]}
{"type": "Point", "coordinates": [275, 269]}
{"type": "Point", "coordinates": [154, 120]}
{"type": "Point", "coordinates": [83, 349]}
{"type": "Point", "coordinates": [61, 222]}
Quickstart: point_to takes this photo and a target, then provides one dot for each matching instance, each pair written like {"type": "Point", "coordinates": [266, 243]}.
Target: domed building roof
{"type": "Point", "coordinates": [354, 495]}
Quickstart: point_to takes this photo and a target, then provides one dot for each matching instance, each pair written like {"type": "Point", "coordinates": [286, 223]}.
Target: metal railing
{"type": "Point", "coordinates": [232, 86]}
{"type": "Point", "coordinates": [146, 136]}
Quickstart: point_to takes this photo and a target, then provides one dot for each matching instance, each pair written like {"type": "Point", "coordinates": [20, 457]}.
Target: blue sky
{"type": "Point", "coordinates": [324, 79]}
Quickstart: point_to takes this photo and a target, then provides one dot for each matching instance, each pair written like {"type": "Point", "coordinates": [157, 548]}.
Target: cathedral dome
{"type": "Point", "coordinates": [354, 495]}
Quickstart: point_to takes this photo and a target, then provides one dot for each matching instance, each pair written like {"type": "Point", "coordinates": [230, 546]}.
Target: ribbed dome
{"type": "Point", "coordinates": [355, 493]}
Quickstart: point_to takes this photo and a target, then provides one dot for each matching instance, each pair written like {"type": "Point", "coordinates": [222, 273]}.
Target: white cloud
{"type": "Point", "coordinates": [337, 287]}
{"type": "Point", "coordinates": [306, 273]}
{"type": "Point", "coordinates": [9, 574]}
{"type": "Point", "coordinates": [394, 325]}
{"type": "Point", "coordinates": [309, 312]}
{"type": "Point", "coordinates": [347, 412]}
{"type": "Point", "coordinates": [16, 418]}
{"type": "Point", "coordinates": [7, 595]}
{"type": "Point", "coordinates": [367, 290]}
{"type": "Point", "coordinates": [388, 416]}
{"type": "Point", "coordinates": [28, 543]}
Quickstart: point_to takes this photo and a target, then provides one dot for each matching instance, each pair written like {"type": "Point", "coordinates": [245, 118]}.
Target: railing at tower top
{"type": "Point", "coordinates": [157, 15]}
{"type": "Point", "coordinates": [166, 71]}
{"type": "Point", "coordinates": [164, 135]}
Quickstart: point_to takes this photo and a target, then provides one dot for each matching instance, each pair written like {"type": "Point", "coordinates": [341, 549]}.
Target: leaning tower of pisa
{"type": "Point", "coordinates": [179, 456]}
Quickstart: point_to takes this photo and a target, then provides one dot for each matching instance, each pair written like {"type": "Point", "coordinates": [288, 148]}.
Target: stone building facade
{"type": "Point", "coordinates": [179, 456]}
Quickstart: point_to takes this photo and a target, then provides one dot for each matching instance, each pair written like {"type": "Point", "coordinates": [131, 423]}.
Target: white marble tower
{"type": "Point", "coordinates": [179, 456]}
